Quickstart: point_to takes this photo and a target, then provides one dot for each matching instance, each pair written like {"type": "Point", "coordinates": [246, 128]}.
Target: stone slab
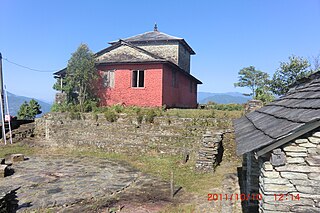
{"type": "Point", "coordinates": [302, 140]}
{"type": "Point", "coordinates": [296, 154]}
{"type": "Point", "coordinates": [308, 145]}
{"type": "Point", "coordinates": [295, 160]}
{"type": "Point", "coordinates": [314, 140]}
{"type": "Point", "coordinates": [270, 174]}
{"type": "Point", "coordinates": [294, 149]}
{"type": "Point", "coordinates": [314, 176]}
{"type": "Point", "coordinates": [275, 188]}
{"type": "Point", "coordinates": [3, 170]}
{"type": "Point", "coordinates": [297, 168]}
{"type": "Point", "coordinates": [313, 161]}
{"type": "Point", "coordinates": [305, 209]}
{"type": "Point", "coordinates": [294, 175]}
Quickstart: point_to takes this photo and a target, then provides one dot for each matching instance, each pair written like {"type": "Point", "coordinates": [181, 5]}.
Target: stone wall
{"type": "Point", "coordinates": [184, 58]}
{"type": "Point", "coordinates": [210, 151]}
{"type": "Point", "coordinates": [290, 180]}
{"type": "Point", "coordinates": [166, 135]}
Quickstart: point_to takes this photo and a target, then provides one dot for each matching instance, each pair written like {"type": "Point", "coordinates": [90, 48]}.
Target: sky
{"type": "Point", "coordinates": [227, 35]}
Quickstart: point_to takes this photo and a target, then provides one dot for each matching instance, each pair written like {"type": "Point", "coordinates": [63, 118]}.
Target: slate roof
{"type": "Point", "coordinates": [156, 36]}
{"type": "Point", "coordinates": [287, 116]}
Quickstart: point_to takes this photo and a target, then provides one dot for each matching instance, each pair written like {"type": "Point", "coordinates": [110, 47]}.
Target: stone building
{"type": "Point", "coordinates": [280, 144]}
{"type": "Point", "coordinates": [149, 69]}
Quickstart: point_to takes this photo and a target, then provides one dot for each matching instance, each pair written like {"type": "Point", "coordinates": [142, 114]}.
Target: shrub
{"type": "Point", "coordinates": [150, 115]}
{"type": "Point", "coordinates": [75, 115]}
{"type": "Point", "coordinates": [118, 108]}
{"type": "Point", "coordinates": [110, 116]}
{"type": "Point", "coordinates": [139, 118]}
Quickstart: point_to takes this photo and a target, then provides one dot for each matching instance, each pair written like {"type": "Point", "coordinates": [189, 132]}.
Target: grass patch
{"type": "Point", "coordinates": [15, 149]}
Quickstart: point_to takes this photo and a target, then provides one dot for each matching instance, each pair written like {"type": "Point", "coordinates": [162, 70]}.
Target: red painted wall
{"type": "Point", "coordinates": [157, 91]}
{"type": "Point", "coordinates": [179, 96]}
{"type": "Point", "coordinates": [123, 93]}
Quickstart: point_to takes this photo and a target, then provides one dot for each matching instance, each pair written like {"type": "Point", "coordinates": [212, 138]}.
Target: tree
{"type": "Point", "coordinates": [29, 110]}
{"type": "Point", "coordinates": [253, 79]}
{"type": "Point", "coordinates": [80, 77]}
{"type": "Point", "coordinates": [288, 73]}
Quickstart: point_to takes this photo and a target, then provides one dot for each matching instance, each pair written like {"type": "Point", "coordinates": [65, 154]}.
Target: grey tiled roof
{"type": "Point", "coordinates": [280, 118]}
{"type": "Point", "coordinates": [156, 36]}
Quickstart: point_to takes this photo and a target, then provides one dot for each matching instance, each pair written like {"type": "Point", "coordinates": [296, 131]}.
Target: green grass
{"type": "Point", "coordinates": [15, 149]}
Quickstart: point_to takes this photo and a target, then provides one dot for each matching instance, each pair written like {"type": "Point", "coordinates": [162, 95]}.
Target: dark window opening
{"type": "Point", "coordinates": [138, 78]}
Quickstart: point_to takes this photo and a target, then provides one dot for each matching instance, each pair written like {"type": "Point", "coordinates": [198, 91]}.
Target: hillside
{"type": "Point", "coordinates": [222, 98]}
{"type": "Point", "coordinates": [15, 102]}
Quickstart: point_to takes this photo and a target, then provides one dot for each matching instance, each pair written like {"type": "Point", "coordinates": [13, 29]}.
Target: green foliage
{"type": "Point", "coordinates": [223, 107]}
{"type": "Point", "coordinates": [75, 115]}
{"type": "Point", "coordinates": [264, 95]}
{"type": "Point", "coordinates": [288, 73]}
{"type": "Point", "coordinates": [139, 118]}
{"type": "Point", "coordinates": [252, 78]}
{"type": "Point", "coordinates": [110, 116]}
{"type": "Point", "coordinates": [150, 115]}
{"type": "Point", "coordinates": [117, 108]}
{"type": "Point", "coordinates": [29, 110]}
{"type": "Point", "coordinates": [80, 77]}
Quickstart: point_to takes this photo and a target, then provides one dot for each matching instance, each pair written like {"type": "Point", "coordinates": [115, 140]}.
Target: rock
{"type": "Point", "coordinates": [275, 181]}
{"type": "Point", "coordinates": [297, 154]}
{"type": "Point", "coordinates": [294, 149]}
{"type": "Point", "coordinates": [270, 174]}
{"type": "Point", "coordinates": [308, 189]}
{"type": "Point", "coordinates": [303, 140]}
{"type": "Point", "coordinates": [295, 160]}
{"type": "Point", "coordinates": [306, 182]}
{"type": "Point", "coordinates": [313, 150]}
{"type": "Point", "coordinates": [314, 140]}
{"type": "Point", "coordinates": [316, 134]}
{"type": "Point", "coordinates": [304, 209]}
{"type": "Point", "coordinates": [276, 207]}
{"type": "Point", "coordinates": [313, 161]}
{"type": "Point", "coordinates": [267, 166]}
{"type": "Point", "coordinates": [275, 188]}
{"type": "Point", "coordinates": [314, 176]}
{"type": "Point", "coordinates": [3, 170]}
{"type": "Point", "coordinates": [297, 168]}
{"type": "Point", "coordinates": [294, 175]}
{"type": "Point", "coordinates": [17, 158]}
{"type": "Point", "coordinates": [308, 145]}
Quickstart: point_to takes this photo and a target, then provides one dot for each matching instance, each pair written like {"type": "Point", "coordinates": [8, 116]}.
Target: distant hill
{"type": "Point", "coordinates": [15, 102]}
{"type": "Point", "coordinates": [222, 98]}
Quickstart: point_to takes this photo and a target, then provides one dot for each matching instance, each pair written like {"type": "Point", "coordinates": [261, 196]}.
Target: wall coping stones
{"type": "Point", "coordinates": [295, 160]}
{"type": "Point", "coordinates": [308, 145]}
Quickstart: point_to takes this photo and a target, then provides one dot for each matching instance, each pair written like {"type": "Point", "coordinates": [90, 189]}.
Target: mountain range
{"type": "Point", "coordinates": [15, 102]}
{"type": "Point", "coordinates": [222, 98]}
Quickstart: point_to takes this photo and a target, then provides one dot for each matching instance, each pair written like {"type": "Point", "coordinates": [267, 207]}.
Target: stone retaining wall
{"type": "Point", "coordinates": [294, 185]}
{"type": "Point", "coordinates": [165, 135]}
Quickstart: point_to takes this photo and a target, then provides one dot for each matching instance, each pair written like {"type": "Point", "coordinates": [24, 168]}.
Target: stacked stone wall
{"type": "Point", "coordinates": [169, 135]}
{"type": "Point", "coordinates": [295, 185]}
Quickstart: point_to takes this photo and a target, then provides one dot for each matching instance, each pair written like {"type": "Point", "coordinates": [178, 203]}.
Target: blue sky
{"type": "Point", "coordinates": [226, 35]}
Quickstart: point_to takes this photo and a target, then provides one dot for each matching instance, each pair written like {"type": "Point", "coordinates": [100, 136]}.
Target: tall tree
{"type": "Point", "coordinates": [253, 79]}
{"type": "Point", "coordinates": [80, 76]}
{"type": "Point", "coordinates": [288, 73]}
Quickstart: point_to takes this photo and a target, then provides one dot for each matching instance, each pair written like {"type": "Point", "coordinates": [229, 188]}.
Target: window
{"type": "Point", "coordinates": [108, 79]}
{"type": "Point", "coordinates": [138, 78]}
{"type": "Point", "coordinates": [174, 79]}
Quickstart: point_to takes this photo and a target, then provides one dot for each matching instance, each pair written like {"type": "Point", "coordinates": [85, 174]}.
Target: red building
{"type": "Point", "coordinates": [151, 69]}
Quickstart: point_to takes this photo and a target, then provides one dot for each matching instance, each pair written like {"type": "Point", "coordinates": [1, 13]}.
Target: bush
{"type": "Point", "coordinates": [150, 115]}
{"type": "Point", "coordinates": [117, 108]}
{"type": "Point", "coordinates": [75, 115]}
{"type": "Point", "coordinates": [139, 118]}
{"type": "Point", "coordinates": [110, 116]}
